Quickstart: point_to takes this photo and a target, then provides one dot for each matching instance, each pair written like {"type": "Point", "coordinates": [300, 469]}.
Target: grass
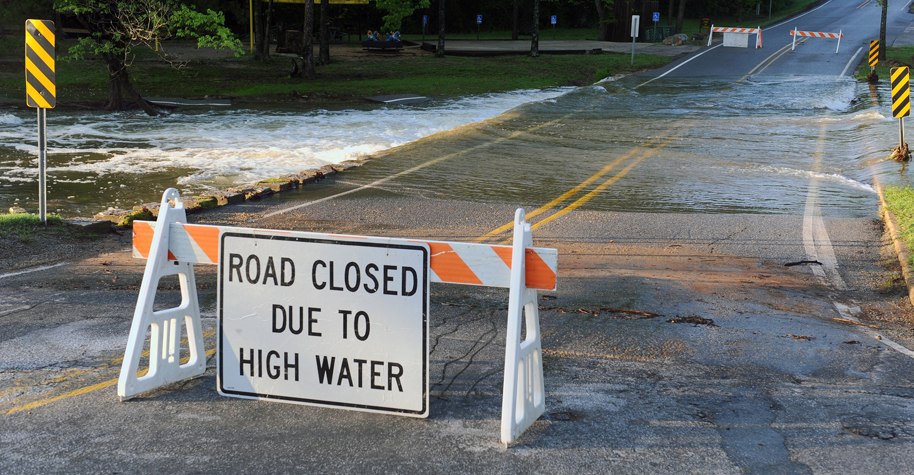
{"type": "Point", "coordinates": [895, 56]}
{"type": "Point", "coordinates": [900, 201]}
{"type": "Point", "coordinates": [346, 78]}
{"type": "Point", "coordinates": [27, 227]}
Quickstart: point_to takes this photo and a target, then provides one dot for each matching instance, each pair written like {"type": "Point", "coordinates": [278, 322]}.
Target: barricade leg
{"type": "Point", "coordinates": [165, 325]}
{"type": "Point", "coordinates": [758, 37]}
{"type": "Point", "coordinates": [794, 43]}
{"type": "Point", "coordinates": [524, 396]}
{"type": "Point", "coordinates": [710, 35]}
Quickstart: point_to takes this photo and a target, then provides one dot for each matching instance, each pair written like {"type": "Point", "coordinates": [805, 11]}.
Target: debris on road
{"type": "Point", "coordinates": [693, 319]}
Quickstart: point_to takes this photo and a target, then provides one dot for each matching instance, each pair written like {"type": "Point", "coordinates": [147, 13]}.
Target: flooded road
{"type": "Point", "coordinates": [695, 145]}
{"type": "Point", "coordinates": [717, 145]}
{"type": "Point", "coordinates": [101, 159]}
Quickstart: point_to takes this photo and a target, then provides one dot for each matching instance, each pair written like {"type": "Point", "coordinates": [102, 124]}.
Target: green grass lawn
{"type": "Point", "coordinates": [900, 201]}
{"type": "Point", "coordinates": [347, 77]}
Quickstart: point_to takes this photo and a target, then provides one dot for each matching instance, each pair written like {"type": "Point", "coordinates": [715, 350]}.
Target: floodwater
{"type": "Point", "coordinates": [98, 160]}
{"type": "Point", "coordinates": [678, 145]}
{"type": "Point", "coordinates": [671, 145]}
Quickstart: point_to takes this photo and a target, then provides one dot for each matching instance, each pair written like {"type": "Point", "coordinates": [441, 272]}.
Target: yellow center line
{"type": "Point", "coordinates": [80, 391]}
{"type": "Point", "coordinates": [577, 188]}
{"type": "Point", "coordinates": [577, 204]}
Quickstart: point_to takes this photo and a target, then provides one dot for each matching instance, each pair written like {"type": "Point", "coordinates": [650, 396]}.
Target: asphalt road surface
{"type": "Point", "coordinates": [712, 315]}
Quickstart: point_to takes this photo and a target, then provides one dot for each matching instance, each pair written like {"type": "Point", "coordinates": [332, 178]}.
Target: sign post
{"type": "Point", "coordinates": [41, 92]}
{"type": "Point", "coordinates": [553, 26]}
{"type": "Point", "coordinates": [424, 23]}
{"type": "Point", "coordinates": [636, 19]}
{"type": "Point", "coordinates": [901, 99]}
{"type": "Point", "coordinates": [324, 321]}
{"type": "Point", "coordinates": [478, 22]}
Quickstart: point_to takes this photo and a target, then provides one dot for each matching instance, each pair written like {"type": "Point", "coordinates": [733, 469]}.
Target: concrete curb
{"type": "Point", "coordinates": [901, 247]}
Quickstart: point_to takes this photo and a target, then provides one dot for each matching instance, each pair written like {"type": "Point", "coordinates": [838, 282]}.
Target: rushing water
{"type": "Point", "coordinates": [99, 159]}
{"type": "Point", "coordinates": [713, 145]}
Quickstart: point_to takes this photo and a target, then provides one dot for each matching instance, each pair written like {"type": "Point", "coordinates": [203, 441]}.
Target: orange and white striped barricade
{"type": "Point", "coordinates": [746, 31]}
{"type": "Point", "coordinates": [816, 34]}
{"type": "Point", "coordinates": [173, 247]}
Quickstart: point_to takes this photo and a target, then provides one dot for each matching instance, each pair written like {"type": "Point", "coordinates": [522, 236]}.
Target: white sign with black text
{"type": "Point", "coordinates": [315, 319]}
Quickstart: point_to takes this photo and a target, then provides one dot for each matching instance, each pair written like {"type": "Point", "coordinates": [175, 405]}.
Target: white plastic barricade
{"type": "Point", "coordinates": [744, 31]}
{"type": "Point", "coordinates": [173, 247]}
{"type": "Point", "coordinates": [524, 397]}
{"type": "Point", "coordinates": [816, 34]}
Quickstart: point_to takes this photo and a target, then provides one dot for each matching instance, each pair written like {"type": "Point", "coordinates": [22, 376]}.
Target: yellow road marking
{"type": "Point", "coordinates": [80, 391]}
{"type": "Point", "coordinates": [577, 204]}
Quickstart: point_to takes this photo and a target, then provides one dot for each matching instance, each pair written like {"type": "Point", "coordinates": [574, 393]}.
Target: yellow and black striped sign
{"type": "Point", "coordinates": [901, 92]}
{"type": "Point", "coordinates": [40, 75]}
{"type": "Point", "coordinates": [874, 53]}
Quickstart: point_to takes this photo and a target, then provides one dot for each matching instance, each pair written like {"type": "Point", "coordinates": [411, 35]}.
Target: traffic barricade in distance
{"type": "Point", "coordinates": [816, 34]}
{"type": "Point", "coordinates": [745, 31]}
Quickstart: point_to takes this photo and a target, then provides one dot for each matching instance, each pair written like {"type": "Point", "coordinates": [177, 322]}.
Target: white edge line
{"type": "Point", "coordinates": [851, 61]}
{"type": "Point", "coordinates": [35, 269]}
{"type": "Point", "coordinates": [905, 7]}
{"type": "Point", "coordinates": [678, 66]}
{"type": "Point", "coordinates": [844, 311]}
{"type": "Point", "coordinates": [405, 99]}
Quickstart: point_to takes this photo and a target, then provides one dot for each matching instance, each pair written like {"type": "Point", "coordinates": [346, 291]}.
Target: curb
{"type": "Point", "coordinates": [206, 201]}
{"type": "Point", "coordinates": [900, 247]}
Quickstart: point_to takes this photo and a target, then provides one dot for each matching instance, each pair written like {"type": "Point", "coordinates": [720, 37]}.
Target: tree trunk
{"type": "Point", "coordinates": [604, 22]}
{"type": "Point", "coordinates": [324, 57]}
{"type": "Point", "coordinates": [118, 83]}
{"type": "Point", "coordinates": [307, 49]}
{"type": "Point", "coordinates": [266, 40]}
{"type": "Point", "coordinates": [882, 45]}
{"type": "Point", "coordinates": [514, 31]}
{"type": "Point", "coordinates": [679, 18]}
{"type": "Point", "coordinates": [535, 41]}
{"type": "Point", "coordinates": [258, 32]}
{"type": "Point", "coordinates": [669, 16]}
{"type": "Point", "coordinates": [440, 51]}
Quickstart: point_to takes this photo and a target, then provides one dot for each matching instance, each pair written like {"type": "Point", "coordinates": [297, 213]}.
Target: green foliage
{"type": "Point", "coordinates": [397, 10]}
{"type": "Point", "coordinates": [116, 26]}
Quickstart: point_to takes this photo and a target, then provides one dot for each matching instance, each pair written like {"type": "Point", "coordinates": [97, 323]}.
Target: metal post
{"type": "Point", "coordinates": [901, 132]}
{"type": "Point", "coordinates": [769, 10]}
{"type": "Point", "coordinates": [553, 31]}
{"type": "Point", "coordinates": [42, 163]}
{"type": "Point", "coordinates": [633, 49]}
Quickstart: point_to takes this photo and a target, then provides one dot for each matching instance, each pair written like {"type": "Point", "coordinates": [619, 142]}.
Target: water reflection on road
{"type": "Point", "coordinates": [673, 145]}
{"type": "Point", "coordinates": [713, 146]}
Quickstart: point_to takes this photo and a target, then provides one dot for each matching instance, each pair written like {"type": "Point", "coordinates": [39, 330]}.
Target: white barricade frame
{"type": "Point", "coordinates": [815, 34]}
{"type": "Point", "coordinates": [747, 31]}
{"type": "Point", "coordinates": [172, 247]}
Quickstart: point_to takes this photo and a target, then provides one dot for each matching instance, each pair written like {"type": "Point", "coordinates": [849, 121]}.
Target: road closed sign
{"type": "Point", "coordinates": [314, 319]}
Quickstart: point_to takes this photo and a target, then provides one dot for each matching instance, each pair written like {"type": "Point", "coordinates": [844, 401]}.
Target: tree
{"type": "Point", "coordinates": [603, 35]}
{"type": "Point", "coordinates": [882, 45]}
{"type": "Point", "coordinates": [682, 5]}
{"type": "Point", "coordinates": [397, 10]}
{"type": "Point", "coordinates": [535, 40]}
{"type": "Point", "coordinates": [669, 16]}
{"type": "Point", "coordinates": [116, 26]}
{"type": "Point", "coordinates": [514, 29]}
{"type": "Point", "coordinates": [324, 53]}
{"type": "Point", "coordinates": [440, 51]}
{"type": "Point", "coordinates": [307, 48]}
{"type": "Point", "coordinates": [262, 31]}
